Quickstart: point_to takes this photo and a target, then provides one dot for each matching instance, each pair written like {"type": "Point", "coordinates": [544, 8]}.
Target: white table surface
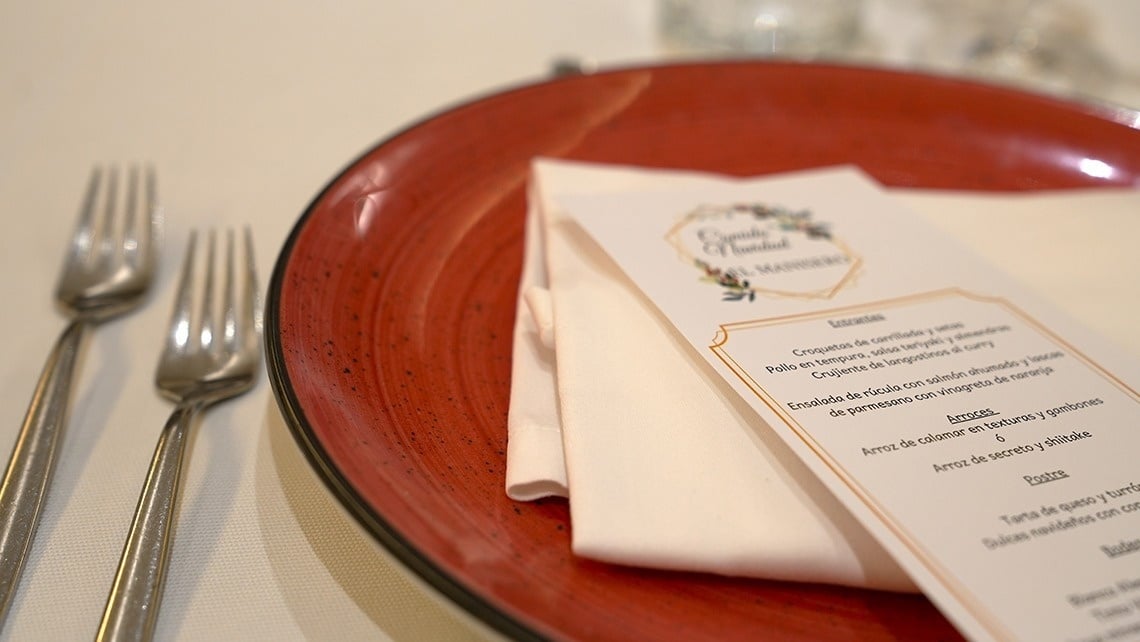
{"type": "Point", "coordinates": [246, 108]}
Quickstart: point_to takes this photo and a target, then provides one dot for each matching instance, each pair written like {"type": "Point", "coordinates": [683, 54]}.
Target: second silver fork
{"type": "Point", "coordinates": [207, 358]}
{"type": "Point", "coordinates": [107, 270]}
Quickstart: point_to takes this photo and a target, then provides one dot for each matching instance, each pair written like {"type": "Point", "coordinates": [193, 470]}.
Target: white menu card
{"type": "Point", "coordinates": [989, 442]}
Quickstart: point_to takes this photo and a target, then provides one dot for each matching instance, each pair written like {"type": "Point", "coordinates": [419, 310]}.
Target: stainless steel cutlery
{"type": "Point", "coordinates": [212, 352]}
{"type": "Point", "coordinates": [107, 270]}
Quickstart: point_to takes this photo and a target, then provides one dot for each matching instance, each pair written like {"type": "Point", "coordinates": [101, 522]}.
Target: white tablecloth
{"type": "Point", "coordinates": [246, 109]}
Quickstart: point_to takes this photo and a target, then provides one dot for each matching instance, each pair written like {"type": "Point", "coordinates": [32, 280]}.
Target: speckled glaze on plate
{"type": "Point", "coordinates": [390, 313]}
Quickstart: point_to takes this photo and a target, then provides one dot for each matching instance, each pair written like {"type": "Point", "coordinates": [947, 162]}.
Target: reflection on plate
{"type": "Point", "coordinates": [391, 308]}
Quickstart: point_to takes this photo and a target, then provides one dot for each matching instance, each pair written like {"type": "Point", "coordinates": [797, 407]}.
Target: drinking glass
{"type": "Point", "coordinates": [769, 28]}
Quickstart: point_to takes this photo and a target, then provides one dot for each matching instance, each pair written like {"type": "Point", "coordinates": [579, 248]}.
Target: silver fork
{"type": "Point", "coordinates": [106, 272]}
{"type": "Point", "coordinates": [206, 360]}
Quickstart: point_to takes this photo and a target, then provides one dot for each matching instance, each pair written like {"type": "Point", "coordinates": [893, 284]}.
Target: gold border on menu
{"type": "Point", "coordinates": [964, 597]}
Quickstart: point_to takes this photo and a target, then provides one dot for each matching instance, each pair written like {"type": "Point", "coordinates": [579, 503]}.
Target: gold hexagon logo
{"type": "Point", "coordinates": [755, 248]}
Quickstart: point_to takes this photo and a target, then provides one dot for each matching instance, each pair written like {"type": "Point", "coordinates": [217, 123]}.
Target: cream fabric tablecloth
{"type": "Point", "coordinates": [246, 109]}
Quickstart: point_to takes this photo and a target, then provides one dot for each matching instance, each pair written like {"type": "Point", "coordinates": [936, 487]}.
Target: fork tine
{"type": "Point", "coordinates": [242, 312]}
{"type": "Point", "coordinates": [131, 212]}
{"type": "Point", "coordinates": [251, 309]}
{"type": "Point", "coordinates": [137, 220]}
{"type": "Point", "coordinates": [84, 237]}
{"type": "Point", "coordinates": [152, 213]}
{"type": "Point", "coordinates": [139, 225]}
{"type": "Point", "coordinates": [207, 323]}
{"type": "Point", "coordinates": [180, 317]}
{"type": "Point", "coordinates": [104, 241]}
{"type": "Point", "coordinates": [229, 301]}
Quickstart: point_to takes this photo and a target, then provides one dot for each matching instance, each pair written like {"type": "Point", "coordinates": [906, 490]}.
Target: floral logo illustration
{"type": "Point", "coordinates": [755, 248]}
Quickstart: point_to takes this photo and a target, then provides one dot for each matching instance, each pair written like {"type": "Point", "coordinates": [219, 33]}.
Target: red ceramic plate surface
{"type": "Point", "coordinates": [391, 309]}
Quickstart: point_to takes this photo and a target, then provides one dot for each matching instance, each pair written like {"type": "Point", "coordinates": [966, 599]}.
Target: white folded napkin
{"type": "Point", "coordinates": [664, 465]}
{"type": "Point", "coordinates": [536, 467]}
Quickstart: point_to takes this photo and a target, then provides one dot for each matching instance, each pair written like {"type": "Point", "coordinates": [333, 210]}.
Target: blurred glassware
{"type": "Point", "coordinates": [1042, 44]}
{"type": "Point", "coordinates": [802, 29]}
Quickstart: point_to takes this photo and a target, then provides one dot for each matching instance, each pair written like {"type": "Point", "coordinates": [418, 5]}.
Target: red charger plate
{"type": "Point", "coordinates": [391, 307]}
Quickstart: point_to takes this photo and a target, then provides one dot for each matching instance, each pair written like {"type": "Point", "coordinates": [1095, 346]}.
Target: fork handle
{"type": "Point", "coordinates": [32, 461]}
{"type": "Point", "coordinates": [132, 604]}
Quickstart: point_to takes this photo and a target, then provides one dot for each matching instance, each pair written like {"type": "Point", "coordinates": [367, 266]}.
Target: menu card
{"type": "Point", "coordinates": [987, 440]}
